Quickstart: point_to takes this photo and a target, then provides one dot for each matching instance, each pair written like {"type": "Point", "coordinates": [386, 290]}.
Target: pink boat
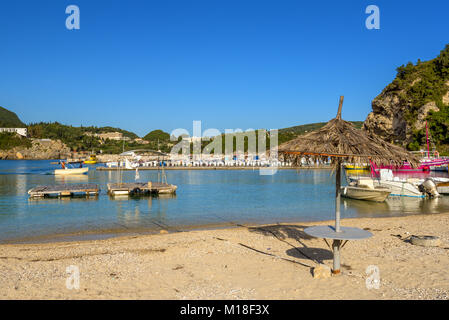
{"type": "Point", "coordinates": [427, 163]}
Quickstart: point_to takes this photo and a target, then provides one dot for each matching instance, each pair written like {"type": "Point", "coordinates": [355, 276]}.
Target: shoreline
{"type": "Point", "coordinates": [106, 234]}
{"type": "Point", "coordinates": [215, 168]}
{"type": "Point", "coordinates": [271, 261]}
{"type": "Point", "coordinates": [101, 168]}
{"type": "Point", "coordinates": [115, 233]}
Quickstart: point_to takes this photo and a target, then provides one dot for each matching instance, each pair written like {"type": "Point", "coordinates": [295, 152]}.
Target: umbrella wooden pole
{"type": "Point", "coordinates": [336, 250]}
{"type": "Point", "coordinates": [337, 196]}
{"type": "Point", "coordinates": [337, 243]}
{"type": "Point", "coordinates": [341, 141]}
{"type": "Point", "coordinates": [340, 105]}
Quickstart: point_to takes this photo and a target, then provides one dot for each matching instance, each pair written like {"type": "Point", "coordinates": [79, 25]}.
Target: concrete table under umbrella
{"type": "Point", "coordinates": [340, 141]}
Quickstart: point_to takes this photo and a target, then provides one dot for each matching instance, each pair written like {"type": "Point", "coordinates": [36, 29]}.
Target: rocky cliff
{"type": "Point", "coordinates": [40, 149]}
{"type": "Point", "coordinates": [419, 92]}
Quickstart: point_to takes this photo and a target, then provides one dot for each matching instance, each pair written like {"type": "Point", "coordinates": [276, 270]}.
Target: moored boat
{"type": "Point", "coordinates": [431, 161]}
{"type": "Point", "coordinates": [401, 188]}
{"type": "Point", "coordinates": [426, 165]}
{"type": "Point", "coordinates": [397, 187]}
{"type": "Point", "coordinates": [92, 160]}
{"type": "Point", "coordinates": [377, 194]}
{"type": "Point", "coordinates": [441, 168]}
{"type": "Point", "coordinates": [358, 167]}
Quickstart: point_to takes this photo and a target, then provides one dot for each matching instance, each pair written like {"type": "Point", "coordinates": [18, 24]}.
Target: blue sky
{"type": "Point", "coordinates": [144, 65]}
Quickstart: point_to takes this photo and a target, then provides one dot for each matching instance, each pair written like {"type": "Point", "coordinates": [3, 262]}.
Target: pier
{"type": "Point", "coordinates": [140, 188]}
{"type": "Point", "coordinates": [210, 168]}
{"type": "Point", "coordinates": [64, 190]}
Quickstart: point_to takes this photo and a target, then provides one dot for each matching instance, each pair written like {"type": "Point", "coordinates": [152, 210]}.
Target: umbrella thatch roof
{"type": "Point", "coordinates": [339, 139]}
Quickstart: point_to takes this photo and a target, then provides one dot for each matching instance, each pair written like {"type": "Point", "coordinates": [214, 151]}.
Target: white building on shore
{"type": "Point", "coordinates": [193, 139]}
{"type": "Point", "coordinates": [118, 136]}
{"type": "Point", "coordinates": [20, 131]}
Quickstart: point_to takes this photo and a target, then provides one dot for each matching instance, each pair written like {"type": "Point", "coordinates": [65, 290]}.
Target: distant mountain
{"type": "Point", "coordinates": [83, 138]}
{"type": "Point", "coordinates": [9, 119]}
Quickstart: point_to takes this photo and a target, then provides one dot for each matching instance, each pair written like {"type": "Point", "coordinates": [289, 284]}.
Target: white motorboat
{"type": "Point", "coordinates": [441, 168]}
{"type": "Point", "coordinates": [131, 165]}
{"type": "Point", "coordinates": [400, 188]}
{"type": "Point", "coordinates": [67, 171]}
{"type": "Point", "coordinates": [397, 187]}
{"type": "Point", "coordinates": [377, 194]}
{"type": "Point", "coordinates": [111, 164]}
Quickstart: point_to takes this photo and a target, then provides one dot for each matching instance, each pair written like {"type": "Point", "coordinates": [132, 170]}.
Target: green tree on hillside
{"type": "Point", "coordinates": [420, 84]}
{"type": "Point", "coordinates": [157, 135]}
{"type": "Point", "coordinates": [9, 119]}
{"type": "Point", "coordinates": [10, 140]}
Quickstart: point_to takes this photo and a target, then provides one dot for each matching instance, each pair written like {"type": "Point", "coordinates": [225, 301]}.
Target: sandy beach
{"type": "Point", "coordinates": [262, 262]}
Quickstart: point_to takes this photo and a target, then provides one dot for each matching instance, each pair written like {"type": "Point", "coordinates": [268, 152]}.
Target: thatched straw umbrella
{"type": "Point", "coordinates": [340, 141]}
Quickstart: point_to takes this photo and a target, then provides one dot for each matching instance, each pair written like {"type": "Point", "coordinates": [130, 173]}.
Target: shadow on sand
{"type": "Point", "coordinates": [295, 232]}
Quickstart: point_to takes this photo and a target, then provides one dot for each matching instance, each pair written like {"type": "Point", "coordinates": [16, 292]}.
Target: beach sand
{"type": "Point", "coordinates": [264, 262]}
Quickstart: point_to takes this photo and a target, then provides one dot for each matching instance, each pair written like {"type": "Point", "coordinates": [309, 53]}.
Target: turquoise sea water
{"type": "Point", "coordinates": [204, 197]}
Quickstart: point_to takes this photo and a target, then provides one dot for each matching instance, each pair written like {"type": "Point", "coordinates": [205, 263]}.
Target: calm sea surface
{"type": "Point", "coordinates": [203, 198]}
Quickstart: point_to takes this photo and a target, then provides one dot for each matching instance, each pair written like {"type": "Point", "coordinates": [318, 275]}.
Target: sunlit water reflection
{"type": "Point", "coordinates": [204, 197]}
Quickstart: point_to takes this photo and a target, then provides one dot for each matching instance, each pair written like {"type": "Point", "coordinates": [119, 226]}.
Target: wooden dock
{"type": "Point", "coordinates": [140, 188]}
{"type": "Point", "coordinates": [64, 190]}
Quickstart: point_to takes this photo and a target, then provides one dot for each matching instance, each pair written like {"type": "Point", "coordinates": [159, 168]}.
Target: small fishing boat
{"type": "Point", "coordinates": [396, 187]}
{"type": "Point", "coordinates": [358, 167]}
{"type": "Point", "coordinates": [66, 171]}
{"type": "Point", "coordinates": [71, 171]}
{"type": "Point", "coordinates": [377, 194]}
{"type": "Point", "coordinates": [406, 167]}
{"type": "Point", "coordinates": [92, 160]}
